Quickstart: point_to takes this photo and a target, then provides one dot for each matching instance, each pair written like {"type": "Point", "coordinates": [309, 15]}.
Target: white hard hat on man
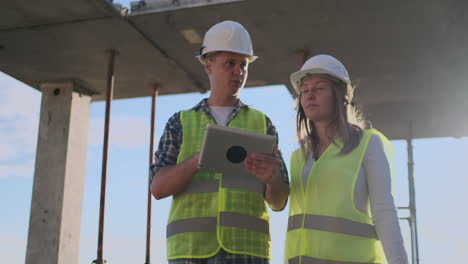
{"type": "Point", "coordinates": [227, 36]}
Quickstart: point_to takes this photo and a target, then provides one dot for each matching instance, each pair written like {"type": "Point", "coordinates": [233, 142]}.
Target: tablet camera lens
{"type": "Point", "coordinates": [236, 154]}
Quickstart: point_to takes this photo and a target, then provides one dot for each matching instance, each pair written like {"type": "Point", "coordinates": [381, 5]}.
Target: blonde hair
{"type": "Point", "coordinates": [348, 120]}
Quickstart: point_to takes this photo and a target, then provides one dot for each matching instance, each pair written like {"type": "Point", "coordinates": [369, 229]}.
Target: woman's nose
{"type": "Point", "coordinates": [311, 95]}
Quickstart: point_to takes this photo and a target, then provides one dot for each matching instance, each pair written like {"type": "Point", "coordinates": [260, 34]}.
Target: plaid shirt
{"type": "Point", "coordinates": [171, 140]}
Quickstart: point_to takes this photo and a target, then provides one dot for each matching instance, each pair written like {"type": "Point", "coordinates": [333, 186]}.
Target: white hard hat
{"type": "Point", "coordinates": [227, 36]}
{"type": "Point", "coordinates": [320, 64]}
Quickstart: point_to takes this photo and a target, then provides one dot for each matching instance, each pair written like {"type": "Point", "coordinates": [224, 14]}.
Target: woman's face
{"type": "Point", "coordinates": [317, 99]}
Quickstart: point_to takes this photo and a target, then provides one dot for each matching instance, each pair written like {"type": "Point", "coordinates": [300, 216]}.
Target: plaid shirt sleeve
{"type": "Point", "coordinates": [271, 130]}
{"type": "Point", "coordinates": [169, 144]}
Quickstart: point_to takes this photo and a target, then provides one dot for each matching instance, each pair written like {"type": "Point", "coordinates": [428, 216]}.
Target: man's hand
{"type": "Point", "coordinates": [265, 167]}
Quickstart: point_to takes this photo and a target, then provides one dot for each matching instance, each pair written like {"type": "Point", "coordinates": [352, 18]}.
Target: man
{"type": "Point", "coordinates": [211, 220]}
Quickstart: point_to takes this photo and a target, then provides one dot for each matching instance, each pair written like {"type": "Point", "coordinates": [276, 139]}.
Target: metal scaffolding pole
{"type": "Point", "coordinates": [148, 219]}
{"type": "Point", "coordinates": [109, 95]}
{"type": "Point", "coordinates": [412, 200]}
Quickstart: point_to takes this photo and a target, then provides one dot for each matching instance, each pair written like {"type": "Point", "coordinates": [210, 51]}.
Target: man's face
{"type": "Point", "coordinates": [227, 72]}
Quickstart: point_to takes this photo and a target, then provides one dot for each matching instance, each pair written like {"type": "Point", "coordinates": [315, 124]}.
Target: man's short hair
{"type": "Point", "coordinates": [211, 56]}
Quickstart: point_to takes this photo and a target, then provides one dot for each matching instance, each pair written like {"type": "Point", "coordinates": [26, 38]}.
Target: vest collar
{"type": "Point", "coordinates": [203, 105]}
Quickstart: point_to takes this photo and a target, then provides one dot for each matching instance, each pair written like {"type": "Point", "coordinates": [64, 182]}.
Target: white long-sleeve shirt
{"type": "Point", "coordinates": [374, 186]}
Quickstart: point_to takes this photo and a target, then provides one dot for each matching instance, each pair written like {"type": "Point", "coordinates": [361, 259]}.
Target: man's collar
{"type": "Point", "coordinates": [204, 104]}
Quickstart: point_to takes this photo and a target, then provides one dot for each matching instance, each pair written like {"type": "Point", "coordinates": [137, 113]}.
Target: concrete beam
{"type": "Point", "coordinates": [56, 206]}
{"type": "Point", "coordinates": [151, 6]}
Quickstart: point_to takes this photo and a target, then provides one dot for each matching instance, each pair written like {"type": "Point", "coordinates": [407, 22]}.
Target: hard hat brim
{"type": "Point", "coordinates": [201, 57]}
{"type": "Point", "coordinates": [296, 77]}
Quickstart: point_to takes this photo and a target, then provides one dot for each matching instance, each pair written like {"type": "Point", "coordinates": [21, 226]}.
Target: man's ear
{"type": "Point", "coordinates": [208, 66]}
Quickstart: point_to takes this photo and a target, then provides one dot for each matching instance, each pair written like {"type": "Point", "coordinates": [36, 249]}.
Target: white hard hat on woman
{"type": "Point", "coordinates": [320, 64]}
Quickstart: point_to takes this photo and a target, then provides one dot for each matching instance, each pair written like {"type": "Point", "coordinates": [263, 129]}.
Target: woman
{"type": "Point", "coordinates": [339, 170]}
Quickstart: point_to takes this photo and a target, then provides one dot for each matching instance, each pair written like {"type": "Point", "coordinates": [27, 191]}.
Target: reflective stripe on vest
{"type": "Point", "coordinates": [332, 224]}
{"type": "Point", "coordinates": [310, 260]}
{"type": "Point", "coordinates": [241, 182]}
{"type": "Point", "coordinates": [201, 224]}
{"type": "Point", "coordinates": [206, 186]}
{"type": "Point", "coordinates": [208, 224]}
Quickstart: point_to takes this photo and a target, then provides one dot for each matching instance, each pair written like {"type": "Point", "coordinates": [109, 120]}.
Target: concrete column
{"type": "Point", "coordinates": [56, 206]}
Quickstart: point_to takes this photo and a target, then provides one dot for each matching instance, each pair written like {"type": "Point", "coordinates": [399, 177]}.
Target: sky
{"type": "Point", "coordinates": [440, 173]}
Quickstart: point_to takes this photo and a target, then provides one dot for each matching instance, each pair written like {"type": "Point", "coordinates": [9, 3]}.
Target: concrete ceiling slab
{"type": "Point", "coordinates": [408, 59]}
{"type": "Point", "coordinates": [76, 50]}
{"type": "Point", "coordinates": [23, 13]}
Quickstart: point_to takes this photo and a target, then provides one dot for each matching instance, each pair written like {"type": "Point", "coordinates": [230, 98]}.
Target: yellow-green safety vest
{"type": "Point", "coordinates": [324, 225]}
{"type": "Point", "coordinates": [217, 211]}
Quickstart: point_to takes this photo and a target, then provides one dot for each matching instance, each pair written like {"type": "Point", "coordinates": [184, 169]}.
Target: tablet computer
{"type": "Point", "coordinates": [224, 149]}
